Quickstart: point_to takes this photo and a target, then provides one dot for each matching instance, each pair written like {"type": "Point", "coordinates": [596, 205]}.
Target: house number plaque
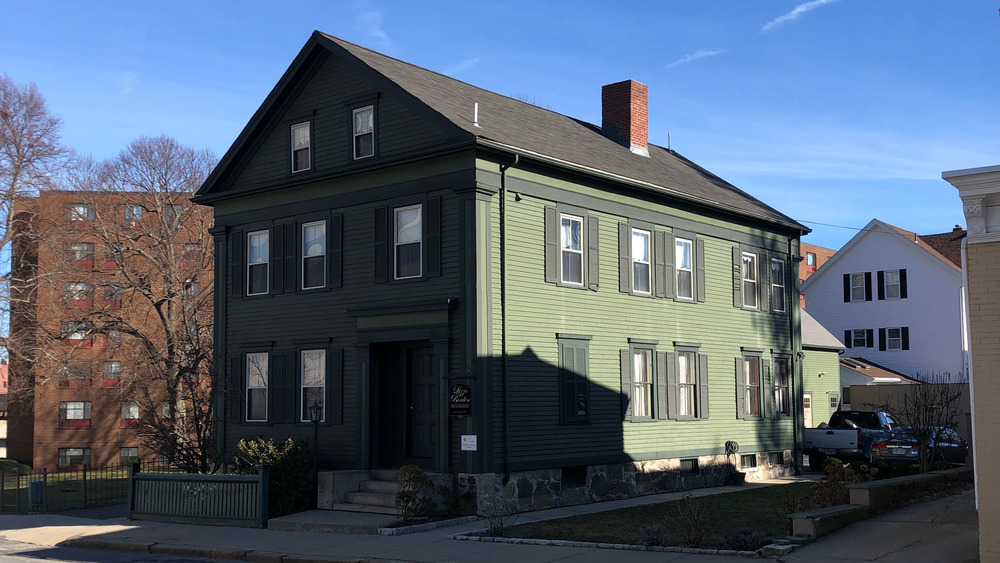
{"type": "Point", "coordinates": [460, 401]}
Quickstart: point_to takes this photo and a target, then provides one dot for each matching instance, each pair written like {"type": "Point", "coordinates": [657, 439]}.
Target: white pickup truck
{"type": "Point", "coordinates": [848, 436]}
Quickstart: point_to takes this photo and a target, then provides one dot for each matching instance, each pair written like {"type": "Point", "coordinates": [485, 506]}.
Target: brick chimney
{"type": "Point", "coordinates": [623, 115]}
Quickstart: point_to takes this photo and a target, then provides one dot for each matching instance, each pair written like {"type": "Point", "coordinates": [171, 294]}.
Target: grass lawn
{"type": "Point", "coordinates": [760, 508]}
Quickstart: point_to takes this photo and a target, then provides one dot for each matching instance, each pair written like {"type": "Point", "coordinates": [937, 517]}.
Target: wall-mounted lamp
{"type": "Point", "coordinates": [821, 374]}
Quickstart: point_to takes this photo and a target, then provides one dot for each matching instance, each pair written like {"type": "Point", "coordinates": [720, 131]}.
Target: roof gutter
{"type": "Point", "coordinates": [503, 314]}
{"type": "Point", "coordinates": [802, 229]}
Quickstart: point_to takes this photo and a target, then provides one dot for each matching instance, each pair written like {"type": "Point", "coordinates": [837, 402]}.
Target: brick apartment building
{"type": "Point", "coordinates": [813, 257]}
{"type": "Point", "coordinates": [86, 267]}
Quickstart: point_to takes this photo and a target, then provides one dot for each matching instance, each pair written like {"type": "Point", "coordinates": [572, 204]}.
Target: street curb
{"type": "Point", "coordinates": [595, 545]}
{"type": "Point", "coordinates": [251, 556]}
{"type": "Point", "coordinates": [426, 526]}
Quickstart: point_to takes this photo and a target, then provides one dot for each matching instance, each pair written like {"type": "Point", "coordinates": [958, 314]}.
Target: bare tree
{"type": "Point", "coordinates": [923, 410]}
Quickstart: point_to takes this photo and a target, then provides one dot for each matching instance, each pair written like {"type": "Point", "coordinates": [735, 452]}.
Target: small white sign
{"type": "Point", "coordinates": [469, 442]}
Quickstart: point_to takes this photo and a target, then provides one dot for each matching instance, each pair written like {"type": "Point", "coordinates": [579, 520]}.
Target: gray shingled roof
{"type": "Point", "coordinates": [531, 129]}
{"type": "Point", "coordinates": [815, 336]}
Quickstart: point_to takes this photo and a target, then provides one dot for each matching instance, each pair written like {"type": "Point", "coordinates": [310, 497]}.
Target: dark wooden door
{"type": "Point", "coordinates": [423, 405]}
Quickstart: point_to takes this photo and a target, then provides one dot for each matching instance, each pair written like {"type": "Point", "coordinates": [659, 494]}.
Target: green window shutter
{"type": "Point", "coordinates": [334, 251]}
{"type": "Point", "coordinates": [659, 264]}
{"type": "Point", "coordinates": [702, 386]}
{"type": "Point", "coordinates": [277, 252]}
{"type": "Point", "coordinates": [567, 362]}
{"type": "Point", "coordinates": [673, 387]}
{"type": "Point", "coordinates": [626, 384]}
{"type": "Point", "coordinates": [699, 264]}
{"type": "Point", "coordinates": [335, 386]}
{"type": "Point", "coordinates": [669, 277]}
{"type": "Point", "coordinates": [767, 389]}
{"type": "Point", "coordinates": [763, 281]}
{"type": "Point", "coordinates": [741, 407]}
{"type": "Point", "coordinates": [551, 245]}
{"type": "Point", "coordinates": [662, 371]}
{"type": "Point", "coordinates": [593, 253]}
{"type": "Point", "coordinates": [381, 244]}
{"type": "Point", "coordinates": [234, 393]}
{"type": "Point", "coordinates": [737, 278]}
{"type": "Point", "coordinates": [292, 258]}
{"type": "Point", "coordinates": [624, 258]}
{"type": "Point", "coordinates": [236, 256]}
{"type": "Point", "coordinates": [902, 283]}
{"type": "Point", "coordinates": [432, 226]}
{"type": "Point", "coordinates": [581, 388]}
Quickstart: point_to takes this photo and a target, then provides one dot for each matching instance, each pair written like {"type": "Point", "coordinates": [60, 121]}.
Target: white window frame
{"type": "Point", "coordinates": [564, 249]}
{"type": "Point", "coordinates": [308, 253]}
{"type": "Point", "coordinates": [321, 366]}
{"type": "Point", "coordinates": [307, 147]}
{"type": "Point", "coordinates": [854, 338]}
{"type": "Point", "coordinates": [679, 269]}
{"type": "Point", "coordinates": [130, 410]}
{"type": "Point", "coordinates": [75, 410]}
{"type": "Point", "coordinates": [752, 395]}
{"type": "Point", "coordinates": [778, 286]}
{"type": "Point", "coordinates": [355, 133]}
{"type": "Point", "coordinates": [811, 259]}
{"type": "Point", "coordinates": [782, 393]}
{"type": "Point", "coordinates": [266, 263]}
{"type": "Point", "coordinates": [898, 338]}
{"type": "Point", "coordinates": [396, 244]}
{"type": "Point", "coordinates": [644, 379]}
{"type": "Point", "coordinates": [638, 262]}
{"type": "Point", "coordinates": [689, 387]}
{"type": "Point", "coordinates": [896, 285]}
{"type": "Point", "coordinates": [750, 279]}
{"type": "Point", "coordinates": [858, 288]}
{"type": "Point", "coordinates": [112, 369]}
{"type": "Point", "coordinates": [80, 212]}
{"type": "Point", "coordinates": [260, 360]}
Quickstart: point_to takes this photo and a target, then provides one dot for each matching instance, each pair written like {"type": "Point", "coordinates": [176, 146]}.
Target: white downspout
{"type": "Point", "coordinates": [966, 341]}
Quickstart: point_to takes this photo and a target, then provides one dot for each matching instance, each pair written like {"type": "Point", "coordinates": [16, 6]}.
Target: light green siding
{"type": "Point", "coordinates": [828, 363]}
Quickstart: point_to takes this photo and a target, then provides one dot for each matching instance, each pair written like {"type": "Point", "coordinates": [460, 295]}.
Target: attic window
{"type": "Point", "coordinates": [364, 132]}
{"type": "Point", "coordinates": [300, 147]}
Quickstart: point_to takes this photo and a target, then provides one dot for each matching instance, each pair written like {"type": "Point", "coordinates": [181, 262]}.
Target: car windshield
{"type": "Point", "coordinates": [856, 419]}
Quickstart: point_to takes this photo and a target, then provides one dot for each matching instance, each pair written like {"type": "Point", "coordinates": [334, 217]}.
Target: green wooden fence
{"type": "Point", "coordinates": [233, 500]}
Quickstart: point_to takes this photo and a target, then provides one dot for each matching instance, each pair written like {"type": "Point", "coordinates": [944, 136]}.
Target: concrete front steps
{"type": "Point", "coordinates": [376, 495]}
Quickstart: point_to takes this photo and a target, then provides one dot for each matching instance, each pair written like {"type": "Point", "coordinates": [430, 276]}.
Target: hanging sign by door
{"type": "Point", "coordinates": [460, 401]}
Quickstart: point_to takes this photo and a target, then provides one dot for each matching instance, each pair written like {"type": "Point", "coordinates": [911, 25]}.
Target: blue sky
{"type": "Point", "coordinates": [832, 111]}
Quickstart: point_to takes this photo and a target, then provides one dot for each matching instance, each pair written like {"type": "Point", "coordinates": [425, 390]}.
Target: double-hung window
{"type": "Point", "coordinates": [892, 284]}
{"type": "Point", "coordinates": [571, 249]}
{"type": "Point", "coordinates": [683, 268]}
{"type": "Point", "coordinates": [133, 213]}
{"type": "Point", "coordinates": [749, 275]}
{"type": "Point", "coordinates": [80, 212]}
{"type": "Point", "coordinates": [76, 331]}
{"type": "Point", "coordinates": [258, 255]}
{"type": "Point", "coordinates": [810, 259]}
{"type": "Point", "coordinates": [364, 132]}
{"type": "Point", "coordinates": [782, 385]}
{"type": "Point", "coordinates": [314, 255]}
{"type": "Point", "coordinates": [687, 384]}
{"type": "Point", "coordinates": [858, 287]}
{"type": "Point", "coordinates": [112, 371]}
{"type": "Point", "coordinates": [313, 379]}
{"type": "Point", "coordinates": [74, 456]}
{"type": "Point", "coordinates": [81, 252]}
{"type": "Point", "coordinates": [859, 338]}
{"type": "Point", "coordinates": [171, 213]}
{"type": "Point", "coordinates": [642, 383]}
{"type": "Point", "coordinates": [256, 387]}
{"type": "Point", "coordinates": [130, 414]}
{"type": "Point", "coordinates": [751, 386]}
{"type": "Point", "coordinates": [777, 285]}
{"type": "Point", "coordinates": [641, 268]}
{"type": "Point", "coordinates": [128, 455]}
{"type": "Point", "coordinates": [74, 414]}
{"type": "Point", "coordinates": [408, 241]}
{"type": "Point", "coordinates": [78, 293]}
{"type": "Point", "coordinates": [301, 142]}
{"type": "Point", "coordinates": [894, 338]}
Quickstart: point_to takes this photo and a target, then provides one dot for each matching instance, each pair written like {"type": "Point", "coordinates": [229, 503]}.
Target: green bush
{"type": "Point", "coordinates": [11, 468]}
{"type": "Point", "coordinates": [411, 499]}
{"type": "Point", "coordinates": [652, 534]}
{"type": "Point", "coordinates": [290, 486]}
{"type": "Point", "coordinates": [745, 539]}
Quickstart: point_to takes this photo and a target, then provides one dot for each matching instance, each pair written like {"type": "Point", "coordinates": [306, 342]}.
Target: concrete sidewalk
{"type": "Point", "coordinates": [300, 546]}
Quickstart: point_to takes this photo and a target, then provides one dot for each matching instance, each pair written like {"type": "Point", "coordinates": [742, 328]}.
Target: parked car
{"type": "Point", "coordinates": [848, 436]}
{"type": "Point", "coordinates": [900, 445]}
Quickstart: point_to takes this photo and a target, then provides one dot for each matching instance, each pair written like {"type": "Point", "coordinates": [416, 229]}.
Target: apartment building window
{"type": "Point", "coordinates": [748, 271]}
{"type": "Point", "coordinates": [192, 251]}
{"type": "Point", "coordinates": [782, 385]}
{"type": "Point", "coordinates": [684, 268]}
{"type": "Point", "coordinates": [301, 147]}
{"type": "Point", "coordinates": [314, 255]}
{"type": "Point", "coordinates": [74, 414]}
{"type": "Point", "coordinates": [571, 249]}
{"type": "Point", "coordinates": [810, 259]}
{"type": "Point", "coordinates": [77, 332]}
{"type": "Point", "coordinates": [166, 411]}
{"type": "Point", "coordinates": [257, 263]}
{"type": "Point", "coordinates": [74, 375]}
{"type": "Point", "coordinates": [895, 338]}
{"type": "Point", "coordinates": [892, 284]}
{"type": "Point", "coordinates": [128, 456]}
{"type": "Point", "coordinates": [113, 333]}
{"type": "Point", "coordinates": [80, 252]}
{"type": "Point", "coordinates": [408, 241]}
{"type": "Point", "coordinates": [80, 212]}
{"type": "Point", "coordinates": [364, 132]}
{"type": "Point", "coordinates": [642, 270]}
{"type": "Point", "coordinates": [114, 255]}
{"type": "Point", "coordinates": [191, 288]}
{"type": "Point", "coordinates": [113, 295]}
{"type": "Point", "coordinates": [749, 386]}
{"type": "Point", "coordinates": [687, 384]}
{"type": "Point", "coordinates": [78, 294]}
{"type": "Point", "coordinates": [858, 286]}
{"type": "Point", "coordinates": [133, 213]}
{"type": "Point", "coordinates": [256, 386]}
{"type": "Point", "coordinates": [130, 414]}
{"type": "Point", "coordinates": [777, 285]}
{"type": "Point", "coordinates": [313, 378]}
{"type": "Point", "coordinates": [639, 380]}
{"type": "Point", "coordinates": [859, 338]}
{"type": "Point", "coordinates": [69, 457]}
{"type": "Point", "coordinates": [111, 374]}
{"type": "Point", "coordinates": [574, 377]}
{"type": "Point", "coordinates": [172, 213]}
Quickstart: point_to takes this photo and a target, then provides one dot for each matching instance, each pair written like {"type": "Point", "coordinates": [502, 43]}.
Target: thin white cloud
{"type": "Point", "coordinates": [695, 56]}
{"type": "Point", "coordinates": [795, 14]}
{"type": "Point", "coordinates": [462, 66]}
{"type": "Point", "coordinates": [369, 24]}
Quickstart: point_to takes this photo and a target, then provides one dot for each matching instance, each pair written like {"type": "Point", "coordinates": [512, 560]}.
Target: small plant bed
{"type": "Point", "coordinates": [736, 520]}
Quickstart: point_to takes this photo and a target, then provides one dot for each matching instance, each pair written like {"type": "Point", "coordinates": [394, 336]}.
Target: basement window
{"type": "Point", "coordinates": [689, 465]}
{"type": "Point", "coordinates": [748, 461]}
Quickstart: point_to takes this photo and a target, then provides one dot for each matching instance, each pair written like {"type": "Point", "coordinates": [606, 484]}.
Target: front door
{"type": "Point", "coordinates": [807, 410]}
{"type": "Point", "coordinates": [423, 406]}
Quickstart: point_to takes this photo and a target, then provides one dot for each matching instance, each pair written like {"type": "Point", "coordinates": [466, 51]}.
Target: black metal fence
{"type": "Point", "coordinates": [24, 491]}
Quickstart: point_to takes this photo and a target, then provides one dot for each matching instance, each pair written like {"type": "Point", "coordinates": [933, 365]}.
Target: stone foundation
{"type": "Point", "coordinates": [548, 488]}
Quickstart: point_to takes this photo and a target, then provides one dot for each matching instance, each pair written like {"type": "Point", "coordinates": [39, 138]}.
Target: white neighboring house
{"type": "Point", "coordinates": [896, 297]}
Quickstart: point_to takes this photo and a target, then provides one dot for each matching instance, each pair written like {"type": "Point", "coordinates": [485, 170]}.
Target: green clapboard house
{"type": "Point", "coordinates": [473, 284]}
